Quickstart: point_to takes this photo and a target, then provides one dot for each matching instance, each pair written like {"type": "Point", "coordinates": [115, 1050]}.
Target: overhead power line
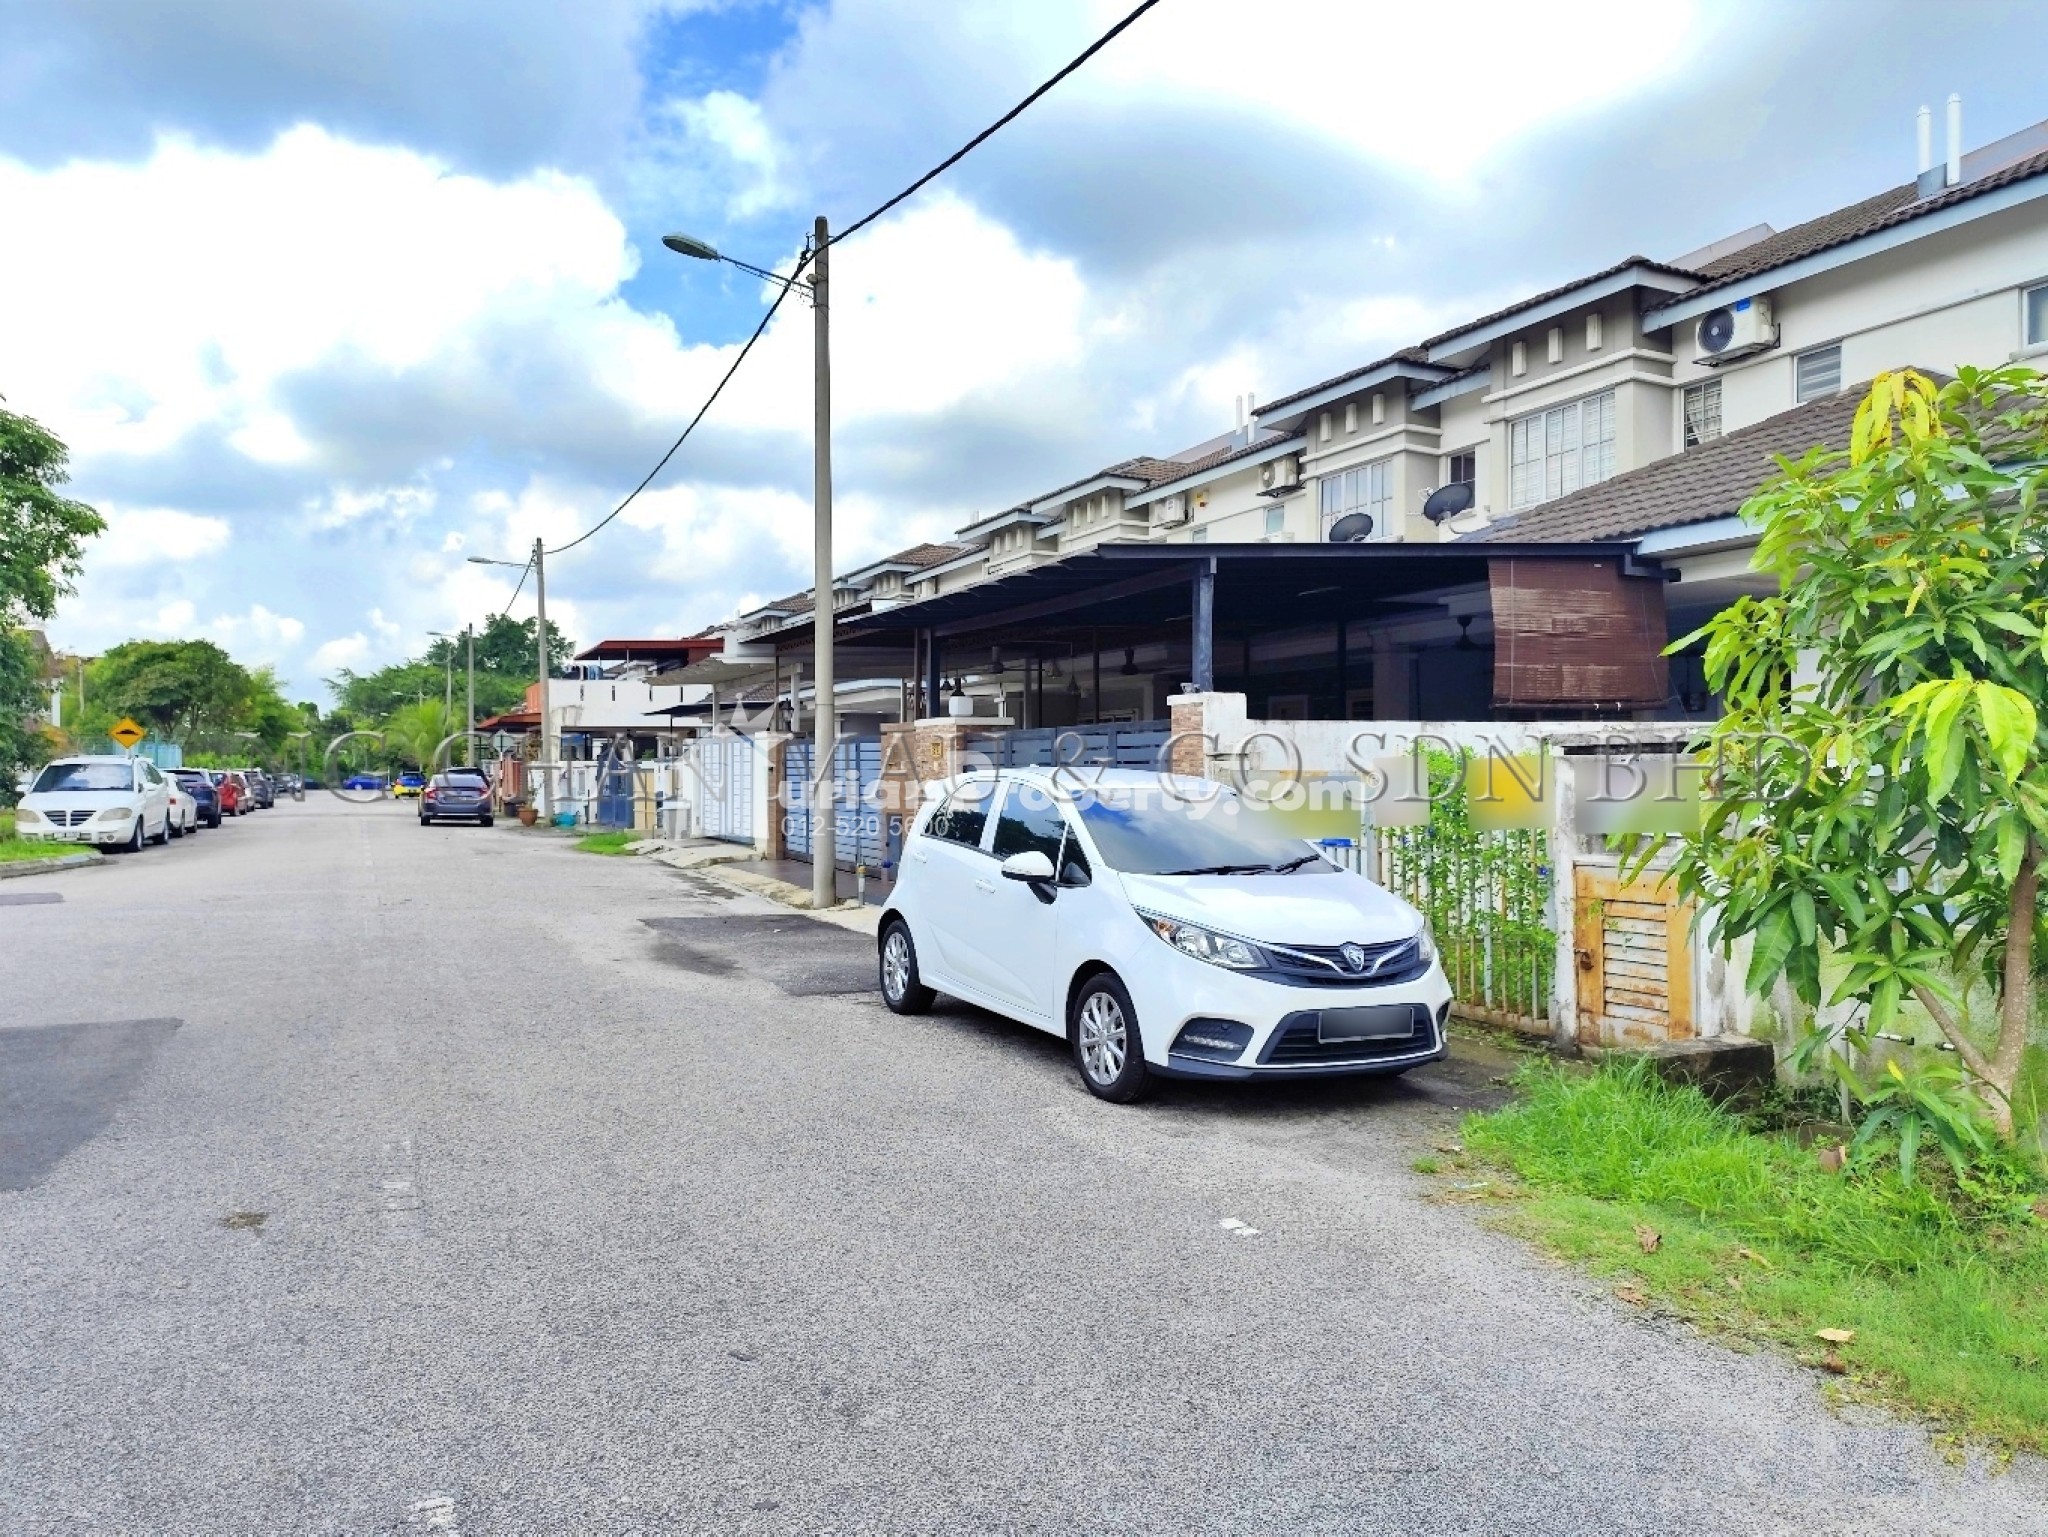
{"type": "Point", "coordinates": [859, 224]}
{"type": "Point", "coordinates": [662, 463]}
{"type": "Point", "coordinates": [998, 125]}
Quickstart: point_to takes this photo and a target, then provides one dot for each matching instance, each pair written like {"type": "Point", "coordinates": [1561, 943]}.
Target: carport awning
{"type": "Point", "coordinates": [1255, 585]}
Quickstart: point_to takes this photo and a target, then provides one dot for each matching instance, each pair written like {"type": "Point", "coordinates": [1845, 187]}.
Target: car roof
{"type": "Point", "coordinates": [93, 757]}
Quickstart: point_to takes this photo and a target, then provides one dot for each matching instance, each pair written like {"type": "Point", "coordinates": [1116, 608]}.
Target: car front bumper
{"type": "Point", "coordinates": [90, 832]}
{"type": "Point", "coordinates": [1285, 1024]}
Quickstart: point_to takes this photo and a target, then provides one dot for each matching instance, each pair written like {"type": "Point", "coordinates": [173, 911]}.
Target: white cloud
{"type": "Point", "coordinates": [148, 536]}
{"type": "Point", "coordinates": [1497, 69]}
{"type": "Point", "coordinates": [733, 127]}
{"type": "Point", "coordinates": [259, 626]}
{"type": "Point", "coordinates": [343, 651]}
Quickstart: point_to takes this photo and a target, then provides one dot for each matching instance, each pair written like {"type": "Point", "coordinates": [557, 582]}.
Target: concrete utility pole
{"type": "Point", "coordinates": [469, 717]}
{"type": "Point", "coordinates": [547, 742]}
{"type": "Point", "coordinates": [825, 728]}
{"type": "Point", "coordinates": [825, 714]}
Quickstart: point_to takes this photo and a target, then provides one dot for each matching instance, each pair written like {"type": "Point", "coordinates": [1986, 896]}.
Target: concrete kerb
{"type": "Point", "coordinates": [84, 859]}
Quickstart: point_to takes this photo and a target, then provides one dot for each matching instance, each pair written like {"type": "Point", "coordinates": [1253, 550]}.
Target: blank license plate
{"type": "Point", "coordinates": [1380, 1022]}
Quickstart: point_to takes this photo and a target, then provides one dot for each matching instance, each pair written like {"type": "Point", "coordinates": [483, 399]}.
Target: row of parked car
{"type": "Point", "coordinates": [124, 803]}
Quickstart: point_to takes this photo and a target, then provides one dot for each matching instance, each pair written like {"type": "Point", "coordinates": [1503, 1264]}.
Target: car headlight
{"type": "Point", "coordinates": [23, 815]}
{"type": "Point", "coordinates": [115, 814]}
{"type": "Point", "coordinates": [1205, 945]}
{"type": "Point", "coordinates": [1425, 943]}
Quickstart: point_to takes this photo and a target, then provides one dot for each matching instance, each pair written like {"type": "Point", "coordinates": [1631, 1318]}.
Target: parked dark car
{"type": "Point", "coordinates": [263, 786]}
{"type": "Point", "coordinates": [363, 782]}
{"type": "Point", "coordinates": [455, 798]}
{"type": "Point", "coordinates": [199, 784]}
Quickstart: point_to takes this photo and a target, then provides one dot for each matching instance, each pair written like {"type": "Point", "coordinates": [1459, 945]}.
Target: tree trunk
{"type": "Point", "coordinates": [2016, 1008]}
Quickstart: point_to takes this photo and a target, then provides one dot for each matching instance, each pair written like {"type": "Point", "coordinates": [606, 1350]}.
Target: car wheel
{"type": "Point", "coordinates": [134, 843]}
{"type": "Point", "coordinates": [426, 821]}
{"type": "Point", "coordinates": [485, 822]}
{"type": "Point", "coordinates": [164, 836]}
{"type": "Point", "coordinates": [901, 989]}
{"type": "Point", "coordinates": [1108, 1051]}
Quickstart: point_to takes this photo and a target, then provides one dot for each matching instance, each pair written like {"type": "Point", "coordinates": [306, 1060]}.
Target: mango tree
{"type": "Point", "coordinates": [1883, 789]}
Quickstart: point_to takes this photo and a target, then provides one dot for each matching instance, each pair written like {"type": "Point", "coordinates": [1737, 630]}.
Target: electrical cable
{"type": "Point", "coordinates": [662, 463]}
{"type": "Point", "coordinates": [788, 283]}
{"type": "Point", "coordinates": [999, 124]}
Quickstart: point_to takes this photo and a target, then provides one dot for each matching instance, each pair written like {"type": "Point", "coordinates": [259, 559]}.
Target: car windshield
{"type": "Point", "coordinates": [85, 776]}
{"type": "Point", "coordinates": [1154, 832]}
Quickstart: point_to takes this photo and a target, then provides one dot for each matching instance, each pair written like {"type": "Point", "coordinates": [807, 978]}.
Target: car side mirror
{"type": "Point", "coordinates": [1029, 866]}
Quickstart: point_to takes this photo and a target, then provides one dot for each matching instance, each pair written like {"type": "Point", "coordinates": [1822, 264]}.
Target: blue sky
{"type": "Point", "coordinates": [329, 297]}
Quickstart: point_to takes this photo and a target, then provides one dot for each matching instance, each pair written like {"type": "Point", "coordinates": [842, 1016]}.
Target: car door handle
{"type": "Point", "coordinates": [988, 886]}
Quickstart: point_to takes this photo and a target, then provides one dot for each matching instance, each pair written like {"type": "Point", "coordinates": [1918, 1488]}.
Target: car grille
{"type": "Point", "coordinates": [1297, 1042]}
{"type": "Point", "coordinates": [68, 818]}
{"type": "Point", "coordinates": [1396, 960]}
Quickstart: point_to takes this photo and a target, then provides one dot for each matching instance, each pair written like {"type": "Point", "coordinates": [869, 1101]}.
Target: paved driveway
{"type": "Point", "coordinates": [366, 1178]}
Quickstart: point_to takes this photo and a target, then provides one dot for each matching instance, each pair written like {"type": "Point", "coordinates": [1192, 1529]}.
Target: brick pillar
{"type": "Point", "coordinates": [1188, 753]}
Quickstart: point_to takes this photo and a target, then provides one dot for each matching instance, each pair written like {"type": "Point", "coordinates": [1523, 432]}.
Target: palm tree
{"type": "Point", "coordinates": [413, 733]}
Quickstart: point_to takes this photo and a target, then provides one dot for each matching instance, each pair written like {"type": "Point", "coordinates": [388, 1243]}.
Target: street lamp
{"type": "Point", "coordinates": [540, 589]}
{"type": "Point", "coordinates": [825, 728]}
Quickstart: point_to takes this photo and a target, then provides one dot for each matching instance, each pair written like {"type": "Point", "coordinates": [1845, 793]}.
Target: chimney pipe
{"type": "Point", "coordinates": [1955, 139]}
{"type": "Point", "coordinates": [1926, 127]}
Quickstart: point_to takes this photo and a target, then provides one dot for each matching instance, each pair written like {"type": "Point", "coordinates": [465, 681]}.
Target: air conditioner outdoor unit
{"type": "Point", "coordinates": [1281, 477]}
{"type": "Point", "coordinates": [1742, 330]}
{"type": "Point", "coordinates": [1172, 509]}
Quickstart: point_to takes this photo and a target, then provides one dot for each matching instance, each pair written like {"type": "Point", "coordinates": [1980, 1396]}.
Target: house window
{"type": "Point", "coordinates": [2036, 302]}
{"type": "Point", "coordinates": [1702, 413]}
{"type": "Point", "coordinates": [1200, 535]}
{"type": "Point", "coordinates": [1817, 373]}
{"type": "Point", "coordinates": [1462, 468]}
{"type": "Point", "coordinates": [1553, 453]}
{"type": "Point", "coordinates": [1368, 489]}
{"type": "Point", "coordinates": [1276, 519]}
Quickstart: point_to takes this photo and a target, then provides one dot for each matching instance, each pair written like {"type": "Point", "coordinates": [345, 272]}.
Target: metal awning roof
{"type": "Point", "coordinates": [1258, 586]}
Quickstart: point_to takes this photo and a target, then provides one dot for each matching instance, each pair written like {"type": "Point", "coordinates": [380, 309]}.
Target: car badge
{"type": "Point", "coordinates": [1354, 957]}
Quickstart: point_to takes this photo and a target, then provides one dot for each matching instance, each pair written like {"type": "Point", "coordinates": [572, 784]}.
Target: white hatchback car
{"type": "Point", "coordinates": [120, 801]}
{"type": "Point", "coordinates": [1163, 926]}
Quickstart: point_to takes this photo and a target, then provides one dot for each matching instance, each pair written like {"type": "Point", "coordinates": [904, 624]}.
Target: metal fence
{"type": "Point", "coordinates": [1132, 745]}
{"type": "Point", "coordinates": [1487, 895]}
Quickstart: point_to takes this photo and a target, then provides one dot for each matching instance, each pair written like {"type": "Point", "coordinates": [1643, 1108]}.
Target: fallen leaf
{"type": "Point", "coordinates": [1449, 1147]}
{"type": "Point", "coordinates": [1835, 1336]}
{"type": "Point", "coordinates": [1630, 1294]}
{"type": "Point", "coordinates": [1735, 1281]}
{"type": "Point", "coordinates": [1831, 1159]}
{"type": "Point", "coordinates": [1833, 1362]}
{"type": "Point", "coordinates": [1753, 1257]}
{"type": "Point", "coordinates": [1648, 1237]}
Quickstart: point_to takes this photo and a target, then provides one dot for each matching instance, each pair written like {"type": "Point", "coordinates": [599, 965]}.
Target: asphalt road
{"type": "Point", "coordinates": [365, 1178]}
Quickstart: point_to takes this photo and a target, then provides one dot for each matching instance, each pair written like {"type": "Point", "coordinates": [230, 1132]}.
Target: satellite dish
{"type": "Point", "coordinates": [1352, 528]}
{"type": "Point", "coordinates": [1448, 501]}
{"type": "Point", "coordinates": [1716, 331]}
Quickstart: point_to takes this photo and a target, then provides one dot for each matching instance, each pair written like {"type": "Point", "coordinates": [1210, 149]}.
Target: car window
{"type": "Point", "coordinates": [965, 814]}
{"type": "Point", "coordinates": [85, 776]}
{"type": "Point", "coordinates": [1152, 832]}
{"type": "Point", "coordinates": [1030, 823]}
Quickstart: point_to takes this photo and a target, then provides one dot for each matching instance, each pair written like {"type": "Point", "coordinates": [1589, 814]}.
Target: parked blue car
{"type": "Point", "coordinates": [199, 784]}
{"type": "Point", "coordinates": [363, 782]}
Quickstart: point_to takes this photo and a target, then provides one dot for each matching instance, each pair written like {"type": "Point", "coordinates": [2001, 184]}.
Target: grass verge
{"type": "Point", "coordinates": [607, 843]}
{"type": "Point", "coordinates": [13, 848]}
{"type": "Point", "coordinates": [1941, 1287]}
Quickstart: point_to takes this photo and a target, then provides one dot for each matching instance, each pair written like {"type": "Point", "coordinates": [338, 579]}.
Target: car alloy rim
{"type": "Point", "coordinates": [1103, 1038]}
{"type": "Point", "coordinates": [896, 964]}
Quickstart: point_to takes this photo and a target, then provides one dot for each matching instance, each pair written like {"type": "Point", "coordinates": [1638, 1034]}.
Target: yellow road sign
{"type": "Point", "coordinates": [127, 732]}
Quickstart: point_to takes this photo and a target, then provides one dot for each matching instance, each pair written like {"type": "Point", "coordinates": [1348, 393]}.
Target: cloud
{"type": "Point", "coordinates": [147, 536]}
{"type": "Point", "coordinates": [348, 651]}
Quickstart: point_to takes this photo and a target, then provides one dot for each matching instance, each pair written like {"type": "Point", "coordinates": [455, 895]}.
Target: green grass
{"type": "Point", "coordinates": [607, 843]}
{"type": "Point", "coordinates": [1944, 1284]}
{"type": "Point", "coordinates": [13, 848]}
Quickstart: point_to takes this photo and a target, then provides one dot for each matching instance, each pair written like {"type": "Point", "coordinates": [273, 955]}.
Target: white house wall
{"type": "Point", "coordinates": [1934, 303]}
